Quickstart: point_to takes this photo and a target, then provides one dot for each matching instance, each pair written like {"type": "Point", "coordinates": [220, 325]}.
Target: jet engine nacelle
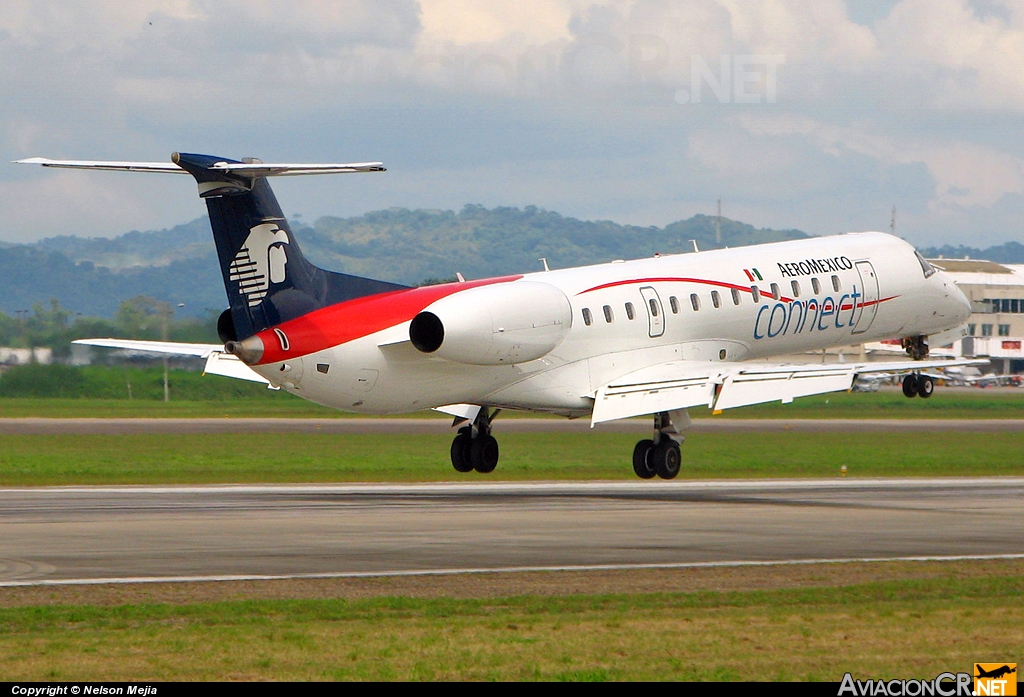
{"type": "Point", "coordinates": [498, 324]}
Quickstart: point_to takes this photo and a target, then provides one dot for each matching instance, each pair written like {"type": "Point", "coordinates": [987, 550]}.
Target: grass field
{"type": "Point", "coordinates": [871, 623]}
{"type": "Point", "coordinates": [959, 403]}
{"type": "Point", "coordinates": [223, 458]}
{"type": "Point", "coordinates": [904, 628]}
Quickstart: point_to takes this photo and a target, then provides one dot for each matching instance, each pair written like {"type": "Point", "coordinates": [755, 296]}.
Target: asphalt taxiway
{"type": "Point", "coordinates": [111, 534]}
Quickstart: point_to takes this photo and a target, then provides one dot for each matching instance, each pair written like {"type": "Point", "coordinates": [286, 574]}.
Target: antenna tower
{"type": "Point", "coordinates": [718, 226]}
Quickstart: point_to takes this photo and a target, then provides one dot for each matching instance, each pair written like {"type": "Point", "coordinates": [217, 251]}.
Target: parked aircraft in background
{"type": "Point", "coordinates": [628, 338]}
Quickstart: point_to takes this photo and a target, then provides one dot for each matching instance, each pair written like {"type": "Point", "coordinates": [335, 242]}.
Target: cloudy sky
{"type": "Point", "coordinates": [814, 114]}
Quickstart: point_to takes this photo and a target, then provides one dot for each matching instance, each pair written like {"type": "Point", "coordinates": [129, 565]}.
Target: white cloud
{"type": "Point", "coordinates": [966, 60]}
{"type": "Point", "coordinates": [570, 104]}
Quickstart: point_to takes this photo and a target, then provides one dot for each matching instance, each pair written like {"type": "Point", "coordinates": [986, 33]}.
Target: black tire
{"type": "Point", "coordinates": [925, 386]}
{"type": "Point", "coordinates": [483, 453]}
{"type": "Point", "coordinates": [910, 385]}
{"type": "Point", "coordinates": [460, 452]}
{"type": "Point", "coordinates": [642, 459]}
{"type": "Point", "coordinates": [667, 458]}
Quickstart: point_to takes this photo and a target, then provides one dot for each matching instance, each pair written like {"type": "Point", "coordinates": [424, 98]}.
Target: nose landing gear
{"type": "Point", "coordinates": [916, 346]}
{"type": "Point", "coordinates": [475, 448]}
{"type": "Point", "coordinates": [660, 456]}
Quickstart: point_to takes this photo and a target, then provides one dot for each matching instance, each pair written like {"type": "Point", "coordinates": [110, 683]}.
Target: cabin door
{"type": "Point", "coordinates": [867, 307]}
{"type": "Point", "coordinates": [655, 312]}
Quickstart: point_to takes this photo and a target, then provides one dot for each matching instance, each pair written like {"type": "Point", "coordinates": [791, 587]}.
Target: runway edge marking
{"type": "Point", "coordinates": [497, 570]}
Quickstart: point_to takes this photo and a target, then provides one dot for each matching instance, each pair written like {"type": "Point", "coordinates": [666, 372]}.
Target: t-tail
{"type": "Point", "coordinates": [267, 278]}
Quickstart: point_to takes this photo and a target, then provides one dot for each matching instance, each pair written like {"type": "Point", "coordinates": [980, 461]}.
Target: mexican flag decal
{"type": "Point", "coordinates": [753, 275]}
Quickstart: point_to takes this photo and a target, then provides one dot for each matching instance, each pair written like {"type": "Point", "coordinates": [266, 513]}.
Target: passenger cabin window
{"type": "Point", "coordinates": [796, 288]}
{"type": "Point", "coordinates": [673, 302]}
{"type": "Point", "coordinates": [735, 296]}
{"type": "Point", "coordinates": [755, 293]}
{"type": "Point", "coordinates": [608, 314]}
{"type": "Point", "coordinates": [775, 291]}
{"type": "Point", "coordinates": [630, 313]}
{"type": "Point", "coordinates": [815, 286]}
{"type": "Point", "coordinates": [654, 307]}
{"type": "Point", "coordinates": [587, 319]}
{"type": "Point", "coordinates": [836, 285]}
{"type": "Point", "coordinates": [695, 302]}
{"type": "Point", "coordinates": [716, 299]}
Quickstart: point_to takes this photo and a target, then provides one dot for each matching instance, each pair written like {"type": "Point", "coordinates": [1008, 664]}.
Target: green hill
{"type": "Point", "coordinates": [93, 276]}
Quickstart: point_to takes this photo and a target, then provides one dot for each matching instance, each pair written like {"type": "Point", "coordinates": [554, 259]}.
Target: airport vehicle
{"type": "Point", "coordinates": [611, 341]}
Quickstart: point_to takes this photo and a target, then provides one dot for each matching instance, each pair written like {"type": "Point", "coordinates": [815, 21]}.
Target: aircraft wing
{"type": "Point", "coordinates": [217, 362]}
{"type": "Point", "coordinates": [256, 169]}
{"type": "Point", "coordinates": [727, 385]}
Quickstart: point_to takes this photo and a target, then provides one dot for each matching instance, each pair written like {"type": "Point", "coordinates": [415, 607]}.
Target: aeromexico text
{"type": "Point", "coordinates": [797, 316]}
{"type": "Point", "coordinates": [812, 266]}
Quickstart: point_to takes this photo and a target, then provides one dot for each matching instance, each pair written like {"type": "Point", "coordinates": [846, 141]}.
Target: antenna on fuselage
{"type": "Point", "coordinates": [694, 243]}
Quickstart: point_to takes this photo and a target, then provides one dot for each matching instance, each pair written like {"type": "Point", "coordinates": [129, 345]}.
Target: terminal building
{"type": "Point", "coordinates": [996, 328]}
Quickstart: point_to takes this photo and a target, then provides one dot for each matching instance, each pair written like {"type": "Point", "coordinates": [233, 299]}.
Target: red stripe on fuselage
{"type": "Point", "coordinates": [676, 279]}
{"type": "Point", "coordinates": [354, 319]}
{"type": "Point", "coordinates": [719, 284]}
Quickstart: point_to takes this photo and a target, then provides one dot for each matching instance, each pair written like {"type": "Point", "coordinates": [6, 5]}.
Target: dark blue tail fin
{"type": "Point", "coordinates": [268, 280]}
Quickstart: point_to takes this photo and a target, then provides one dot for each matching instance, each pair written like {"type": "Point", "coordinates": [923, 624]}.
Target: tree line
{"type": "Point", "coordinates": [142, 317]}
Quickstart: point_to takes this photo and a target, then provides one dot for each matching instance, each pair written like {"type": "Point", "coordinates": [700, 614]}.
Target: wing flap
{"type": "Point", "coordinates": [682, 384]}
{"type": "Point", "coordinates": [665, 387]}
{"type": "Point", "coordinates": [756, 387]}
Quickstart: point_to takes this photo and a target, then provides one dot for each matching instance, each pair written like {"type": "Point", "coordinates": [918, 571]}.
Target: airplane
{"type": "Point", "coordinates": [994, 673]}
{"type": "Point", "coordinates": [648, 337]}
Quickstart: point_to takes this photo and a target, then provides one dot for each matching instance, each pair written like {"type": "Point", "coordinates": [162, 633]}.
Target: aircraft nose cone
{"type": "Point", "coordinates": [959, 305]}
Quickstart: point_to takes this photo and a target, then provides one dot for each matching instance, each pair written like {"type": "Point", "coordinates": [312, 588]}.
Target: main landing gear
{"type": "Point", "coordinates": [659, 456]}
{"type": "Point", "coordinates": [917, 385]}
{"type": "Point", "coordinates": [475, 448]}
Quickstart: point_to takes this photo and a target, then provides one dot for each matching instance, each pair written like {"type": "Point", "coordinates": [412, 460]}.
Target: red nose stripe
{"type": "Point", "coordinates": [354, 319]}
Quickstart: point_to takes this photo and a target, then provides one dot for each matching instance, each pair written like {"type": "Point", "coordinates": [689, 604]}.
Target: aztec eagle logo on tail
{"type": "Point", "coordinates": [260, 262]}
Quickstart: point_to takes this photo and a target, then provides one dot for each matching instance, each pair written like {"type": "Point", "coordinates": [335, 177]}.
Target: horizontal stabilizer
{"type": "Point", "coordinates": [217, 362]}
{"type": "Point", "coordinates": [161, 347]}
{"type": "Point", "coordinates": [241, 169]}
{"type": "Point", "coordinates": [230, 367]}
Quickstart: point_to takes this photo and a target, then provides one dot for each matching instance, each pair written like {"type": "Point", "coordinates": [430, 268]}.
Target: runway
{"type": "Point", "coordinates": [109, 534]}
{"type": "Point", "coordinates": [412, 426]}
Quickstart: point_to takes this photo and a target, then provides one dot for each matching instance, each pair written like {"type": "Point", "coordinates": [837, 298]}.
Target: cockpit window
{"type": "Point", "coordinates": [928, 269]}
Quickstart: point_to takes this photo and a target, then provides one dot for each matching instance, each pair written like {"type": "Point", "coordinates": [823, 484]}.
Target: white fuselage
{"type": "Point", "coordinates": [723, 305]}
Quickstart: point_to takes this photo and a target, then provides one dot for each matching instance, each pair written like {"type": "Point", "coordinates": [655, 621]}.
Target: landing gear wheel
{"type": "Point", "coordinates": [642, 459]}
{"type": "Point", "coordinates": [483, 453]}
{"type": "Point", "coordinates": [910, 386]}
{"type": "Point", "coordinates": [925, 386]}
{"type": "Point", "coordinates": [666, 458]}
{"type": "Point", "coordinates": [460, 451]}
